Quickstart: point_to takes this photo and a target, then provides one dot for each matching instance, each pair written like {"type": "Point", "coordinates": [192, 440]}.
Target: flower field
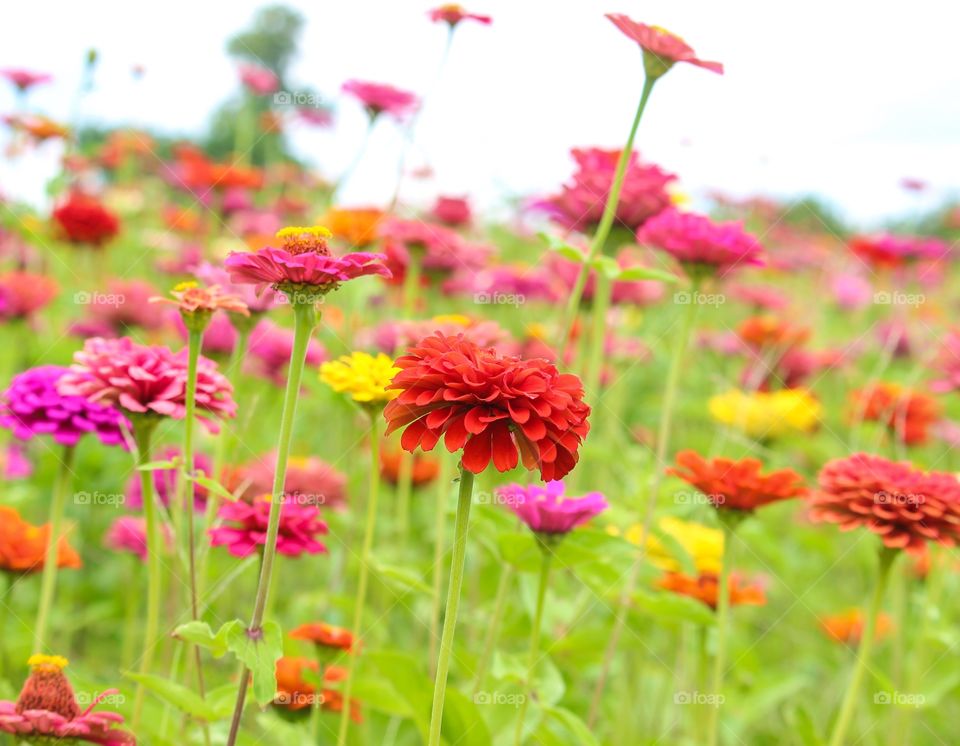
{"type": "Point", "coordinates": [611, 466]}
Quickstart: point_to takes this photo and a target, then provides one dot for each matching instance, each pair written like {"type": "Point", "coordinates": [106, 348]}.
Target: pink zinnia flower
{"type": "Point", "coordinates": [309, 480]}
{"type": "Point", "coordinates": [256, 302]}
{"type": "Point", "coordinates": [379, 98]}
{"type": "Point", "coordinates": [661, 49]}
{"type": "Point", "coordinates": [146, 380]}
{"type": "Point", "coordinates": [129, 534]}
{"type": "Point", "coordinates": [24, 79]}
{"type": "Point", "coordinates": [851, 291]}
{"type": "Point", "coordinates": [452, 13]}
{"type": "Point", "coordinates": [299, 527]}
{"type": "Point", "coordinates": [22, 294]}
{"type": "Point", "coordinates": [580, 203]}
{"type": "Point", "coordinates": [118, 311]}
{"type": "Point", "coordinates": [303, 263]}
{"type": "Point", "coordinates": [259, 80]}
{"type": "Point", "coordinates": [442, 251]}
{"type": "Point", "coordinates": [700, 244]}
{"type": "Point", "coordinates": [546, 510]}
{"type": "Point", "coordinates": [452, 211]}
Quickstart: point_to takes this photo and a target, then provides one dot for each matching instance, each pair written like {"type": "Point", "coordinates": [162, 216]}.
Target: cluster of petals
{"type": "Point", "coordinates": [494, 407]}
{"type": "Point", "coordinates": [244, 529]}
{"type": "Point", "coordinates": [697, 241]}
{"type": "Point", "coordinates": [82, 219]}
{"type": "Point", "coordinates": [23, 546]}
{"type": "Point", "coordinates": [547, 509]}
{"type": "Point", "coordinates": [665, 48]}
{"type": "Point", "coordinates": [380, 98]}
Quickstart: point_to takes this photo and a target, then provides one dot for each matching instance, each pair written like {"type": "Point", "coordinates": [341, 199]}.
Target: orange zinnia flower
{"type": "Point", "coordinates": [769, 331]}
{"type": "Point", "coordinates": [425, 469]}
{"type": "Point", "coordinates": [907, 414]}
{"type": "Point", "coordinates": [324, 635]}
{"type": "Point", "coordinates": [848, 626]}
{"type": "Point", "coordinates": [736, 485]}
{"type": "Point", "coordinates": [23, 546]}
{"type": "Point", "coordinates": [705, 588]}
{"type": "Point", "coordinates": [295, 693]}
{"type": "Point", "coordinates": [358, 226]}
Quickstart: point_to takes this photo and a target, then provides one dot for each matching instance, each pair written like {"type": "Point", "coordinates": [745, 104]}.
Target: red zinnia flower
{"type": "Point", "coordinates": [906, 507]}
{"type": "Point", "coordinates": [736, 485]}
{"type": "Point", "coordinates": [661, 49]}
{"type": "Point", "coordinates": [705, 588]}
{"type": "Point", "coordinates": [908, 414]}
{"type": "Point", "coordinates": [324, 635]}
{"type": "Point", "coordinates": [491, 406]}
{"type": "Point", "coordinates": [83, 220]}
{"type": "Point", "coordinates": [848, 626]}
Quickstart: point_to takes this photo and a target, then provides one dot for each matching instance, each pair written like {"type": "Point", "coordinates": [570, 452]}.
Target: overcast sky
{"type": "Point", "coordinates": [842, 99]}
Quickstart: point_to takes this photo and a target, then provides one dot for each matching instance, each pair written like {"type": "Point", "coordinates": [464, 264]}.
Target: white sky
{"type": "Point", "coordinates": [838, 97]}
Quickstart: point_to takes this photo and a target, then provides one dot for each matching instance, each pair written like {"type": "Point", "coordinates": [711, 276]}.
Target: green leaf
{"type": "Point", "coordinates": [199, 633]}
{"type": "Point", "coordinates": [462, 723]}
{"type": "Point", "coordinates": [185, 700]}
{"type": "Point", "coordinates": [575, 730]}
{"type": "Point", "coordinates": [214, 487]}
{"type": "Point", "coordinates": [159, 465]}
{"type": "Point", "coordinates": [377, 694]}
{"type": "Point", "coordinates": [562, 248]}
{"type": "Point", "coordinates": [403, 579]}
{"type": "Point", "coordinates": [645, 273]}
{"type": "Point", "coordinates": [259, 655]}
{"type": "Point", "coordinates": [672, 607]}
{"type": "Point", "coordinates": [608, 266]}
{"type": "Point", "coordinates": [520, 550]}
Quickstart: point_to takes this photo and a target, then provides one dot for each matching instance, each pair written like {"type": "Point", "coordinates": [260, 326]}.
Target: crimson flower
{"type": "Point", "coordinates": [246, 527]}
{"type": "Point", "coordinates": [736, 485]}
{"type": "Point", "coordinates": [905, 506]}
{"type": "Point", "coordinates": [661, 49]}
{"type": "Point", "coordinates": [83, 220]}
{"type": "Point", "coordinates": [490, 405]}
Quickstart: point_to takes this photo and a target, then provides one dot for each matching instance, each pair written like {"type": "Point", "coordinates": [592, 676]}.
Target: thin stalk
{"type": "Point", "coordinates": [606, 220]}
{"type": "Point", "coordinates": [316, 721]}
{"type": "Point", "coordinates": [439, 535]}
{"type": "Point", "coordinates": [305, 318]}
{"type": "Point", "coordinates": [534, 645]}
{"type": "Point", "coordinates": [411, 282]}
{"type": "Point", "coordinates": [457, 562]}
{"type": "Point", "coordinates": [842, 724]}
{"type": "Point", "coordinates": [493, 631]}
{"type": "Point", "coordinates": [723, 623]}
{"type": "Point", "coordinates": [143, 434]}
{"type": "Point", "coordinates": [5, 599]}
{"type": "Point", "coordinates": [404, 494]}
{"type": "Point", "coordinates": [360, 601]}
{"type": "Point", "coordinates": [598, 336]}
{"type": "Point", "coordinates": [48, 582]}
{"type": "Point", "coordinates": [677, 357]}
{"type": "Point", "coordinates": [194, 342]}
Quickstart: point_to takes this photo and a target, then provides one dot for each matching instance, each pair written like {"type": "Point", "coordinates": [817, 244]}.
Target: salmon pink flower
{"type": "Point", "coordinates": [661, 49]}
{"type": "Point", "coordinates": [47, 710]}
{"type": "Point", "coordinates": [699, 244]}
{"type": "Point", "coordinates": [303, 264]}
{"type": "Point", "coordinates": [33, 406]}
{"type": "Point", "coordinates": [129, 534]}
{"type": "Point", "coordinates": [22, 294]}
{"type": "Point", "coordinates": [246, 528]}
{"type": "Point", "coordinates": [122, 308]}
{"type": "Point", "coordinates": [905, 506]}
{"type": "Point", "coordinates": [24, 80]}
{"type": "Point", "coordinates": [452, 14]}
{"type": "Point", "coordinates": [379, 98]}
{"type": "Point", "coordinates": [494, 407]}
{"type": "Point", "coordinates": [547, 510]}
{"type": "Point", "coordinates": [146, 380]}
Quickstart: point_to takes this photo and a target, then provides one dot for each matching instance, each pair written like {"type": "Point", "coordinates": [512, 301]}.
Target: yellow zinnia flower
{"type": "Point", "coordinates": [703, 544]}
{"type": "Point", "coordinates": [767, 414]}
{"type": "Point", "coordinates": [361, 375]}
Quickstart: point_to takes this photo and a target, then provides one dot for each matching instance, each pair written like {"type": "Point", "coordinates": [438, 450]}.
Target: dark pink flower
{"type": "Point", "coordinates": [546, 510]}
{"type": "Point", "coordinates": [129, 534]}
{"type": "Point", "coordinates": [379, 98]}
{"type": "Point", "coordinates": [698, 243]}
{"type": "Point", "coordinates": [259, 80]}
{"type": "Point", "coordinates": [661, 49]}
{"type": "Point", "coordinates": [452, 211]}
{"type": "Point", "coordinates": [300, 524]}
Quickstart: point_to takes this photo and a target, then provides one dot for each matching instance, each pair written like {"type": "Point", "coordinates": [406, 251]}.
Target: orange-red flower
{"type": "Point", "coordinates": [769, 331]}
{"type": "Point", "coordinates": [848, 626]}
{"type": "Point", "coordinates": [23, 546]}
{"type": "Point", "coordinates": [737, 485]}
{"type": "Point", "coordinates": [358, 226]}
{"type": "Point", "coordinates": [425, 469]}
{"type": "Point", "coordinates": [705, 588]}
{"type": "Point", "coordinates": [906, 507]}
{"type": "Point", "coordinates": [494, 407]}
{"type": "Point", "coordinates": [324, 635]}
{"type": "Point", "coordinates": [295, 693]}
{"type": "Point", "coordinates": [906, 413]}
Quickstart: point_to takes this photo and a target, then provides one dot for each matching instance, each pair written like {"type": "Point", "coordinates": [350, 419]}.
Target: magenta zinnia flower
{"type": "Point", "coordinates": [580, 203]}
{"type": "Point", "coordinates": [24, 79]}
{"type": "Point", "coordinates": [700, 244]}
{"type": "Point", "coordinates": [129, 534]}
{"type": "Point", "coordinates": [146, 380]}
{"type": "Point", "coordinates": [304, 263]}
{"type": "Point", "coordinates": [379, 98]}
{"type": "Point", "coordinates": [32, 406]}
{"type": "Point", "coordinates": [300, 524]}
{"type": "Point", "coordinates": [270, 350]}
{"type": "Point", "coordinates": [546, 510]}
{"type": "Point", "coordinates": [661, 49]}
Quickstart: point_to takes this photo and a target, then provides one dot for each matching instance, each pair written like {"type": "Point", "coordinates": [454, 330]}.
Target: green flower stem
{"type": "Point", "coordinates": [5, 602]}
{"type": "Point", "coordinates": [245, 130]}
{"type": "Point", "coordinates": [194, 343]}
{"type": "Point", "coordinates": [493, 631]}
{"type": "Point", "coordinates": [305, 318]}
{"type": "Point", "coordinates": [457, 562]}
{"type": "Point", "coordinates": [606, 221]}
{"type": "Point", "coordinates": [439, 536]}
{"type": "Point", "coordinates": [534, 644]}
{"type": "Point", "coordinates": [316, 721]}
{"type": "Point", "coordinates": [887, 556]}
{"type": "Point", "coordinates": [723, 623]}
{"type": "Point", "coordinates": [48, 582]}
{"type": "Point", "coordinates": [677, 359]}
{"type": "Point", "coordinates": [598, 335]}
{"type": "Point", "coordinates": [360, 601]}
{"type": "Point", "coordinates": [143, 434]}
{"type": "Point", "coordinates": [404, 494]}
{"type": "Point", "coordinates": [411, 282]}
{"type": "Point", "coordinates": [130, 626]}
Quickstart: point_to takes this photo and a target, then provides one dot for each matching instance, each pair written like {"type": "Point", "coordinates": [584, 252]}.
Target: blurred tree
{"type": "Point", "coordinates": [272, 41]}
